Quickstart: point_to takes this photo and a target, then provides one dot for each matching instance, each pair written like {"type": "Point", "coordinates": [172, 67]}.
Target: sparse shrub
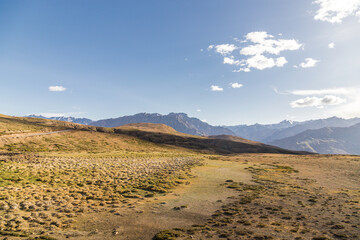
{"type": "Point", "coordinates": [167, 235]}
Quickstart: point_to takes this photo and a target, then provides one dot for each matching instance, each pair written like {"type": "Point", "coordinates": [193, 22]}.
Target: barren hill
{"type": "Point", "coordinates": [181, 122]}
{"type": "Point", "coordinates": [149, 127]}
{"type": "Point", "coordinates": [158, 135]}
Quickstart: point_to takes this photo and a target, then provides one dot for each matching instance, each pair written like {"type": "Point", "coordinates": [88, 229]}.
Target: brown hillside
{"type": "Point", "coordinates": [150, 127]}
{"type": "Point", "coordinates": [158, 134]}
{"type": "Point", "coordinates": [206, 144]}
{"type": "Point", "coordinates": [235, 139]}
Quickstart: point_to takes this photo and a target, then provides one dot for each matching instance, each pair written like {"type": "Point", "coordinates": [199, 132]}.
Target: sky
{"type": "Point", "coordinates": [224, 62]}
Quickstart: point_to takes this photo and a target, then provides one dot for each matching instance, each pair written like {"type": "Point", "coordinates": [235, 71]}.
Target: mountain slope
{"type": "Point", "coordinates": [181, 122]}
{"type": "Point", "coordinates": [329, 140]}
{"type": "Point", "coordinates": [309, 125]}
{"type": "Point", "coordinates": [259, 132]}
{"type": "Point", "coordinates": [150, 127]}
{"type": "Point", "coordinates": [270, 132]}
{"type": "Point", "coordinates": [143, 137]}
{"type": "Point", "coordinates": [213, 144]}
{"type": "Point", "coordinates": [235, 139]}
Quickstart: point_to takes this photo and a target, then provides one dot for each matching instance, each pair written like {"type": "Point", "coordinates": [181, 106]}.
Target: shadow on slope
{"type": "Point", "coordinates": [155, 133]}
{"type": "Point", "coordinates": [222, 144]}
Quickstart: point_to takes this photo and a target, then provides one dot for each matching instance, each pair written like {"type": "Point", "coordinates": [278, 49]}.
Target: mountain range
{"type": "Point", "coordinates": [328, 140]}
{"type": "Point", "coordinates": [25, 133]}
{"type": "Point", "coordinates": [181, 122]}
{"type": "Point", "coordinates": [320, 136]}
{"type": "Point", "coordinates": [85, 121]}
{"type": "Point", "coordinates": [270, 132]}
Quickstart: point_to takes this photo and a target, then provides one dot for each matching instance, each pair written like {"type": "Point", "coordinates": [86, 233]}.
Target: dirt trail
{"type": "Point", "coordinates": [199, 200]}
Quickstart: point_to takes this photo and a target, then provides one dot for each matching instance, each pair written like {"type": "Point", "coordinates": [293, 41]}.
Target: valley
{"type": "Point", "coordinates": [62, 180]}
{"type": "Point", "coordinates": [179, 120]}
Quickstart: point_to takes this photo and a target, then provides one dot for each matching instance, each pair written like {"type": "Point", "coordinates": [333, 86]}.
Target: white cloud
{"type": "Point", "coordinates": [317, 102]}
{"type": "Point", "coordinates": [351, 108]}
{"type": "Point", "coordinates": [328, 96]}
{"type": "Point", "coordinates": [244, 69]}
{"type": "Point", "coordinates": [334, 11]}
{"type": "Point", "coordinates": [255, 54]}
{"type": "Point", "coordinates": [230, 60]}
{"type": "Point", "coordinates": [331, 45]}
{"type": "Point", "coordinates": [56, 89]}
{"type": "Point", "coordinates": [257, 37]}
{"type": "Point", "coordinates": [261, 62]}
{"type": "Point", "coordinates": [198, 110]}
{"type": "Point", "coordinates": [280, 92]}
{"type": "Point", "coordinates": [264, 43]}
{"type": "Point", "coordinates": [309, 62]}
{"type": "Point", "coordinates": [346, 108]}
{"type": "Point", "coordinates": [215, 88]}
{"type": "Point", "coordinates": [223, 49]}
{"type": "Point", "coordinates": [236, 85]}
{"type": "Point", "coordinates": [337, 91]}
{"type": "Point", "coordinates": [281, 61]}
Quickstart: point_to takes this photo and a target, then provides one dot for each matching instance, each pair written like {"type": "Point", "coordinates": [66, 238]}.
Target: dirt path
{"type": "Point", "coordinates": [197, 201]}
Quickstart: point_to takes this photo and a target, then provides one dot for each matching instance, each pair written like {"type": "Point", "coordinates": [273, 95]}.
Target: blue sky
{"type": "Point", "coordinates": [102, 59]}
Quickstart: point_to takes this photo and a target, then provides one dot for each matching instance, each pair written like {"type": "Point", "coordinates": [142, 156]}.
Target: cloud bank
{"type": "Point", "coordinates": [334, 11]}
{"type": "Point", "coordinates": [324, 97]}
{"type": "Point", "coordinates": [335, 91]}
{"type": "Point", "coordinates": [260, 51]}
{"type": "Point", "coordinates": [317, 102]}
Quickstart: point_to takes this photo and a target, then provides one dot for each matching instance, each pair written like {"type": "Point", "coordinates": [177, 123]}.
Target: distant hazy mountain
{"type": "Point", "coordinates": [84, 121]}
{"type": "Point", "coordinates": [329, 140]}
{"type": "Point", "coordinates": [181, 122]}
{"type": "Point", "coordinates": [284, 129]}
{"type": "Point", "coordinates": [260, 132]}
{"type": "Point", "coordinates": [312, 124]}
